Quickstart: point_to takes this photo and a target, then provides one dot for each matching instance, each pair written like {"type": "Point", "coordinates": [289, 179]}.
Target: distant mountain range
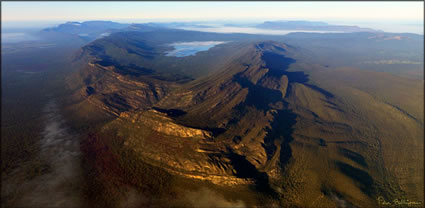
{"type": "Point", "coordinates": [311, 26]}
{"type": "Point", "coordinates": [88, 30]}
{"type": "Point", "coordinates": [91, 29]}
{"type": "Point", "coordinates": [87, 27]}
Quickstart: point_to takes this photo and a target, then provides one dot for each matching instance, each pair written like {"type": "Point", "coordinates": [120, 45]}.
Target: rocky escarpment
{"type": "Point", "coordinates": [103, 87]}
{"type": "Point", "coordinates": [160, 123]}
{"type": "Point", "coordinates": [211, 134]}
{"type": "Point", "coordinates": [158, 140]}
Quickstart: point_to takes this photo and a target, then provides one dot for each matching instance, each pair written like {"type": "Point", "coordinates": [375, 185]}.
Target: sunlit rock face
{"type": "Point", "coordinates": [157, 139]}
{"type": "Point", "coordinates": [212, 135]}
{"type": "Point", "coordinates": [160, 123]}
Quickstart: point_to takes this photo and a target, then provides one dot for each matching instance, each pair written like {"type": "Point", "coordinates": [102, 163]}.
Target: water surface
{"type": "Point", "coordinates": [182, 49]}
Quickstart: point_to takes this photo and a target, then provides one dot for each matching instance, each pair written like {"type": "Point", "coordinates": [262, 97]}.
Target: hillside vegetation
{"type": "Point", "coordinates": [248, 115]}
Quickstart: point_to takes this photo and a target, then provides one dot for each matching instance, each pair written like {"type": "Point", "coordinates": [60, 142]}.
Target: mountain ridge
{"type": "Point", "coordinates": [247, 121]}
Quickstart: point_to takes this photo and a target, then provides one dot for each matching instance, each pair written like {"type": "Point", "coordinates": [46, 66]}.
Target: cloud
{"type": "Point", "coordinates": [59, 187]}
{"type": "Point", "coordinates": [206, 198]}
{"type": "Point", "coordinates": [133, 199]}
{"type": "Point", "coordinates": [340, 201]}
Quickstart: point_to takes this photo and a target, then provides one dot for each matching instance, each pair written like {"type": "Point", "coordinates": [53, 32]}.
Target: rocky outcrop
{"type": "Point", "coordinates": [222, 135]}
{"type": "Point", "coordinates": [160, 123]}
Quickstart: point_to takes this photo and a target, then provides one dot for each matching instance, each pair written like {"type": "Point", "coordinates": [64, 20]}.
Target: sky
{"type": "Point", "coordinates": [24, 11]}
{"type": "Point", "coordinates": [332, 12]}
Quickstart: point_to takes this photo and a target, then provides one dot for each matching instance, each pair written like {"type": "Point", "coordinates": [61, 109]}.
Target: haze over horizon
{"type": "Point", "coordinates": [387, 16]}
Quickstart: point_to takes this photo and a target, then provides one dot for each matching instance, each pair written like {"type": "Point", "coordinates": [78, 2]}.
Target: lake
{"type": "Point", "coordinates": [182, 49]}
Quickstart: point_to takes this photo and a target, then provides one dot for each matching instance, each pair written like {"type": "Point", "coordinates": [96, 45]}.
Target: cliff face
{"type": "Point", "coordinates": [106, 89]}
{"type": "Point", "coordinates": [162, 124]}
{"type": "Point", "coordinates": [202, 129]}
{"type": "Point", "coordinates": [158, 140]}
{"type": "Point", "coordinates": [230, 127]}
